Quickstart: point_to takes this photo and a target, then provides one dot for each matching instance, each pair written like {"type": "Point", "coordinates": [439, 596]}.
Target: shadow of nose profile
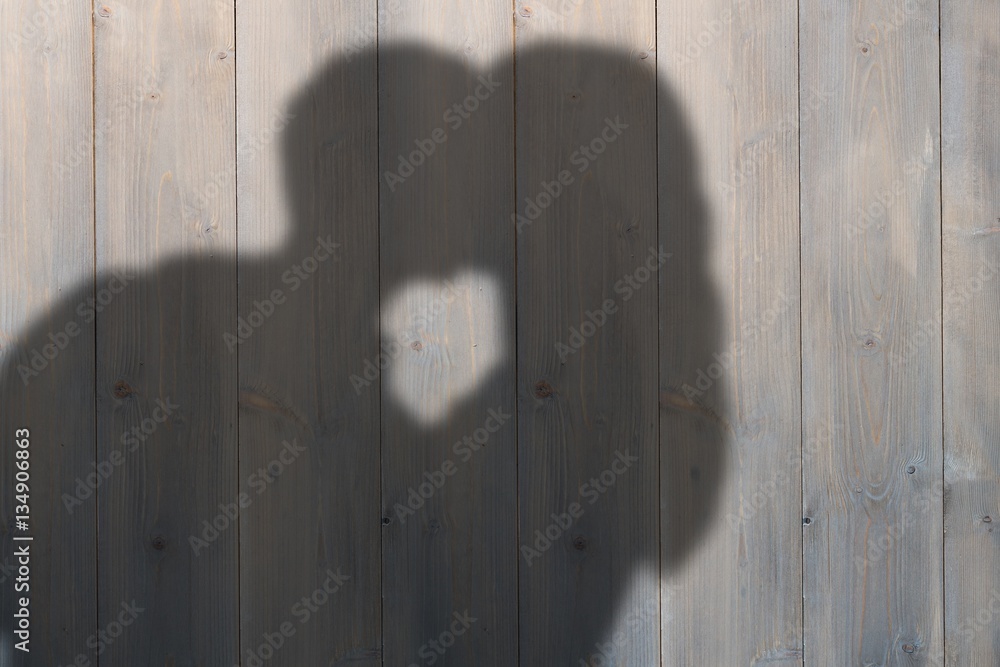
{"type": "Point", "coordinates": [480, 360]}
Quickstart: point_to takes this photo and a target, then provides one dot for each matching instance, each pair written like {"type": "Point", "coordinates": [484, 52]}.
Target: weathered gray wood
{"type": "Point", "coordinates": [970, 155]}
{"type": "Point", "coordinates": [586, 191]}
{"type": "Point", "coordinates": [166, 385]}
{"type": "Point", "coordinates": [46, 248]}
{"type": "Point", "coordinates": [729, 325]}
{"type": "Point", "coordinates": [450, 376]}
{"type": "Point", "coordinates": [710, 158]}
{"type": "Point", "coordinates": [870, 198]}
{"type": "Point", "coordinates": [308, 170]}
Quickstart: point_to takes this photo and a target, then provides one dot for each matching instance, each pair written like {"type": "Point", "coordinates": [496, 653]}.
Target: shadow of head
{"type": "Point", "coordinates": [539, 236]}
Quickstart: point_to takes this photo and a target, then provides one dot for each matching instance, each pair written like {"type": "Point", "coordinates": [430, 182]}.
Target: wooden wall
{"type": "Point", "coordinates": [809, 389]}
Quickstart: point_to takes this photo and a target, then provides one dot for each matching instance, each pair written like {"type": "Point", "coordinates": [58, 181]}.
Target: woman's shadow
{"type": "Point", "coordinates": [491, 335]}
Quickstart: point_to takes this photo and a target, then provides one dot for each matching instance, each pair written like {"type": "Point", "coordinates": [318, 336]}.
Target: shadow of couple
{"type": "Point", "coordinates": [485, 335]}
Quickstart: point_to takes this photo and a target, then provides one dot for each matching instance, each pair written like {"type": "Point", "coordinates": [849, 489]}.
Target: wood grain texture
{"type": "Point", "coordinates": [166, 385]}
{"type": "Point", "coordinates": [870, 197]}
{"type": "Point", "coordinates": [448, 389]}
{"type": "Point", "coordinates": [830, 302]}
{"type": "Point", "coordinates": [586, 339]}
{"type": "Point", "coordinates": [46, 227]}
{"type": "Point", "coordinates": [970, 42]}
{"type": "Point", "coordinates": [729, 327]}
{"type": "Point", "coordinates": [310, 553]}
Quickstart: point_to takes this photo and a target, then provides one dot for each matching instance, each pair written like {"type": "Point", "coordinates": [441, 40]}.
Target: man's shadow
{"type": "Point", "coordinates": [465, 244]}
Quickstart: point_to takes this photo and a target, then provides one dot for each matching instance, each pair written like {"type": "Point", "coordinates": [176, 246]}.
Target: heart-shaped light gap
{"type": "Point", "coordinates": [443, 338]}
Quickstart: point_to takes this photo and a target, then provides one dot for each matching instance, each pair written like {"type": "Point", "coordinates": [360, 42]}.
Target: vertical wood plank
{"type": "Point", "coordinates": [447, 325]}
{"type": "Point", "coordinates": [871, 344]}
{"type": "Point", "coordinates": [46, 346]}
{"type": "Point", "coordinates": [310, 554]}
{"type": "Point", "coordinates": [729, 325]}
{"type": "Point", "coordinates": [970, 42]}
{"type": "Point", "coordinates": [166, 385]}
{"type": "Point", "coordinates": [587, 267]}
